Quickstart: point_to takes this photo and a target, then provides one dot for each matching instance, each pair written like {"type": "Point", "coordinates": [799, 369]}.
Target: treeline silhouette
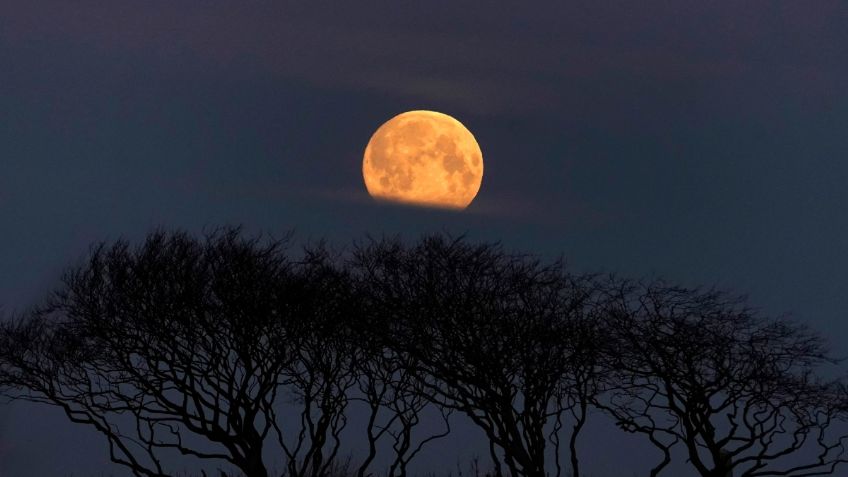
{"type": "Point", "coordinates": [192, 346]}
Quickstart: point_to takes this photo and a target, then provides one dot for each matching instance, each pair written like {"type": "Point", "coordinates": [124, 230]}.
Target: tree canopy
{"type": "Point", "coordinates": [245, 351]}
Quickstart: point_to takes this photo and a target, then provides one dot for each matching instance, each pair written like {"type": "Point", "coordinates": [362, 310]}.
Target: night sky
{"type": "Point", "coordinates": [703, 142]}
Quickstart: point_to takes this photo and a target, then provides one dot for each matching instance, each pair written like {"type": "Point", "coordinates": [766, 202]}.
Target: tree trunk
{"type": "Point", "coordinates": [253, 465]}
{"type": "Point", "coordinates": [725, 464]}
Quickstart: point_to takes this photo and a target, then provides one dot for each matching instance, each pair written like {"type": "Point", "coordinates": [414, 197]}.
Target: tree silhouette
{"type": "Point", "coordinates": [395, 403]}
{"type": "Point", "coordinates": [321, 377]}
{"type": "Point", "coordinates": [395, 400]}
{"type": "Point", "coordinates": [742, 394]}
{"type": "Point", "coordinates": [200, 347]}
{"type": "Point", "coordinates": [195, 346]}
{"type": "Point", "coordinates": [186, 345]}
{"type": "Point", "coordinates": [165, 345]}
{"type": "Point", "coordinates": [486, 333]}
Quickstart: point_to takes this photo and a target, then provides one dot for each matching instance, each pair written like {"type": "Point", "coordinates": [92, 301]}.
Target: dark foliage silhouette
{"type": "Point", "coordinates": [395, 401]}
{"type": "Point", "coordinates": [198, 347]}
{"type": "Point", "coordinates": [164, 345]}
{"type": "Point", "coordinates": [741, 394]}
{"type": "Point", "coordinates": [490, 334]}
{"type": "Point", "coordinates": [189, 345]}
{"type": "Point", "coordinates": [232, 349]}
{"type": "Point", "coordinates": [321, 377]}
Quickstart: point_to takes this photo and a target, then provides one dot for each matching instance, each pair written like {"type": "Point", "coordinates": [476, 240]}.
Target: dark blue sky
{"type": "Point", "coordinates": [705, 142]}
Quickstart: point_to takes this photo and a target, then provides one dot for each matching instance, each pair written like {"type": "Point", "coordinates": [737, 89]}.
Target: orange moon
{"type": "Point", "coordinates": [423, 158]}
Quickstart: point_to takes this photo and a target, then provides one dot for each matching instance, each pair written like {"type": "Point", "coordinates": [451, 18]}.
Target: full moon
{"type": "Point", "coordinates": [423, 158]}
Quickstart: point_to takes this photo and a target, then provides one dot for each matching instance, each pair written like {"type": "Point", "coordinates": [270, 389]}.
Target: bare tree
{"type": "Point", "coordinates": [177, 345]}
{"type": "Point", "coordinates": [323, 373]}
{"type": "Point", "coordinates": [742, 394]}
{"type": "Point", "coordinates": [193, 347]}
{"type": "Point", "coordinates": [188, 346]}
{"type": "Point", "coordinates": [485, 332]}
{"type": "Point", "coordinates": [395, 401]}
{"type": "Point", "coordinates": [584, 380]}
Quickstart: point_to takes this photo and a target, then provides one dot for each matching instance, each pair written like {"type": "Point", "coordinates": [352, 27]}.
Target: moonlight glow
{"type": "Point", "coordinates": [423, 158]}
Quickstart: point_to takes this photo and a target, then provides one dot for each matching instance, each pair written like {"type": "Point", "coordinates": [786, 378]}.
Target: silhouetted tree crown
{"type": "Point", "coordinates": [234, 349]}
{"type": "Point", "coordinates": [494, 335]}
{"type": "Point", "coordinates": [740, 393]}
